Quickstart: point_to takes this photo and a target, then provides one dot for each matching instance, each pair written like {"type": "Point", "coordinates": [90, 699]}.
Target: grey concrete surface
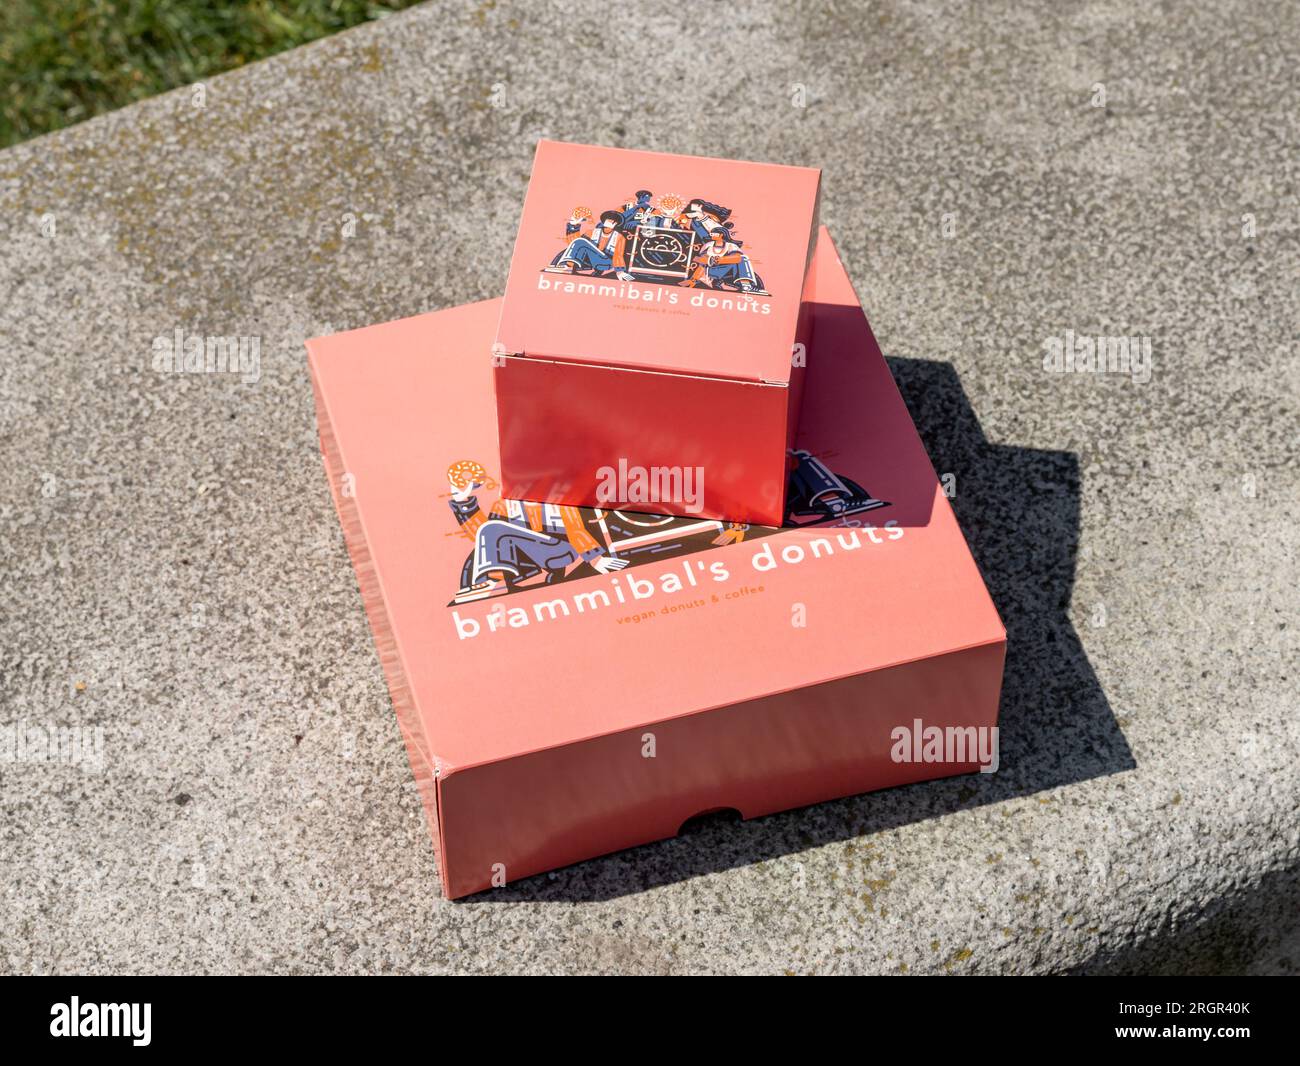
{"type": "Point", "coordinates": [174, 576]}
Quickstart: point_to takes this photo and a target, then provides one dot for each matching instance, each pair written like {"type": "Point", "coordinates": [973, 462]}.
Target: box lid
{"type": "Point", "coordinates": [653, 308]}
{"type": "Point", "coordinates": [702, 615]}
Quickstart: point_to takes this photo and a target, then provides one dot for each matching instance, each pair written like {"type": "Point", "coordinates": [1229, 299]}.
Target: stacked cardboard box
{"type": "Point", "coordinates": [574, 675]}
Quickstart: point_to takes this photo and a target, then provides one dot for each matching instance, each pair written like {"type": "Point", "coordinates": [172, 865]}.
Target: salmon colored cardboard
{"type": "Point", "coordinates": [574, 681]}
{"type": "Point", "coordinates": [651, 341]}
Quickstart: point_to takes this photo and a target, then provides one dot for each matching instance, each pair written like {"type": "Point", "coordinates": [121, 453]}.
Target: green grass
{"type": "Point", "coordinates": [62, 61]}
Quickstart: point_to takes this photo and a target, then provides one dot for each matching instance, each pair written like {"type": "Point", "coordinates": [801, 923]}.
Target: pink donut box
{"type": "Point", "coordinates": [723, 666]}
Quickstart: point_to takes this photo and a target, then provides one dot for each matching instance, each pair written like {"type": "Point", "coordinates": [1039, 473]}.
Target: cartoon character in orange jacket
{"type": "Point", "coordinates": [724, 262]}
{"type": "Point", "coordinates": [601, 251]}
{"type": "Point", "coordinates": [518, 543]}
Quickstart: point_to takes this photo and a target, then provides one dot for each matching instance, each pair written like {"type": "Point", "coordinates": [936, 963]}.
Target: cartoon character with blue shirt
{"type": "Point", "coordinates": [702, 216]}
{"type": "Point", "coordinates": [599, 252]}
{"type": "Point", "coordinates": [635, 210]}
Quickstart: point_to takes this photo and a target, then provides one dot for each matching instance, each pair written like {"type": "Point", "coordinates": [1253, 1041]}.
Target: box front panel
{"type": "Point", "coordinates": [639, 441]}
{"type": "Point", "coordinates": [533, 813]}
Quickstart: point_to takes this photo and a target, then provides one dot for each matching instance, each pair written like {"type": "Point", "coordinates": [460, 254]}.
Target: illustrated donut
{"type": "Point", "coordinates": [465, 473]}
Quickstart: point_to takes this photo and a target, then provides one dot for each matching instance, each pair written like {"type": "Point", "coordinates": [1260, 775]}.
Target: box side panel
{"type": "Point", "coordinates": [408, 719]}
{"type": "Point", "coordinates": [568, 432]}
{"type": "Point", "coordinates": [559, 806]}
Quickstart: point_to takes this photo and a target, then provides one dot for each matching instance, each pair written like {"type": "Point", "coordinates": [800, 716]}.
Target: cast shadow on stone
{"type": "Point", "coordinates": [1251, 929]}
{"type": "Point", "coordinates": [1019, 510]}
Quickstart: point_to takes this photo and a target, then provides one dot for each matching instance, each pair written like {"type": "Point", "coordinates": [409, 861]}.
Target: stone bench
{"type": "Point", "coordinates": [175, 577]}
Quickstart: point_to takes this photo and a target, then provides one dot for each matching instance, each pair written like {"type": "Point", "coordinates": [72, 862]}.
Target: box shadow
{"type": "Point", "coordinates": [1019, 510]}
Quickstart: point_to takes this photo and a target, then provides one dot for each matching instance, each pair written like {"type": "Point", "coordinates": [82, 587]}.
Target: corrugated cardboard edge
{"type": "Point", "coordinates": [424, 764]}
